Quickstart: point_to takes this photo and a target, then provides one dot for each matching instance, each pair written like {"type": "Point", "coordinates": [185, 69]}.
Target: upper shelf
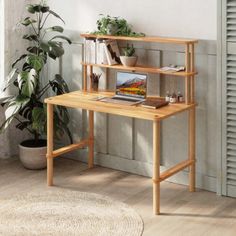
{"type": "Point", "coordinates": [141, 68]}
{"type": "Point", "coordinates": [154, 39]}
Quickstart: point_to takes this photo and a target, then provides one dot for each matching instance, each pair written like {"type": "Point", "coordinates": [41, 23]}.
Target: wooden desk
{"type": "Point", "coordinates": [86, 101]}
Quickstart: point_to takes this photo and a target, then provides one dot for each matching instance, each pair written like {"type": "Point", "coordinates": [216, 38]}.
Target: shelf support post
{"type": "Point", "coordinates": [192, 68]}
{"type": "Point", "coordinates": [90, 76]}
{"type": "Point", "coordinates": [91, 139]}
{"type": "Point", "coordinates": [156, 167]}
{"type": "Point", "coordinates": [49, 144]}
{"type": "Point", "coordinates": [187, 66]}
{"type": "Point", "coordinates": [192, 148]}
{"type": "Point", "coordinates": [85, 78]}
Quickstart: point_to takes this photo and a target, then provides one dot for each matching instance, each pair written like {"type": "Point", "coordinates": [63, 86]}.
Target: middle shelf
{"type": "Point", "coordinates": [142, 68]}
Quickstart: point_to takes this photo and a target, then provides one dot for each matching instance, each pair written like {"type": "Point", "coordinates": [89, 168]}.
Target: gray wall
{"type": "Point", "coordinates": [14, 46]}
{"type": "Point", "coordinates": [126, 144]}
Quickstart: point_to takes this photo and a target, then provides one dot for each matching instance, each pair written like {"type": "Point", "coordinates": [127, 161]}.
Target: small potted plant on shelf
{"type": "Point", "coordinates": [26, 107]}
{"type": "Point", "coordinates": [129, 59]}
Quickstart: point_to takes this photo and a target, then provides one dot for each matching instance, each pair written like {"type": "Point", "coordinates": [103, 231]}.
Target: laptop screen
{"type": "Point", "coordinates": [131, 84]}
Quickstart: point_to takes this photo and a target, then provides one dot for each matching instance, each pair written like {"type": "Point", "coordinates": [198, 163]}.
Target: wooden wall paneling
{"type": "Point", "coordinates": [123, 158]}
{"type": "Point", "coordinates": [143, 129]}
{"type": "Point", "coordinates": [72, 73]}
{"type": "Point", "coordinates": [119, 129]}
{"type": "Point", "coordinates": [120, 136]}
{"type": "Point", "coordinates": [210, 166]}
{"type": "Point", "coordinates": [101, 120]}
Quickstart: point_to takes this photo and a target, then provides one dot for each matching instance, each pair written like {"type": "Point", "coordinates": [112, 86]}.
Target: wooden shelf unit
{"type": "Point", "coordinates": [188, 74]}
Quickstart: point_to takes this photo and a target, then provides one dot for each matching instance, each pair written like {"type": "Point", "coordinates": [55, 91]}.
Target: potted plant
{"type": "Point", "coordinates": [115, 26]}
{"type": "Point", "coordinates": [129, 59]}
{"type": "Point", "coordinates": [26, 107]}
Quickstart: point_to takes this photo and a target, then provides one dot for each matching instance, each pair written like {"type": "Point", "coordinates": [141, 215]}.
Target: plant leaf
{"type": "Point", "coordinates": [59, 85]}
{"type": "Point", "coordinates": [39, 119]}
{"type": "Point", "coordinates": [6, 99]}
{"type": "Point", "coordinates": [55, 29]}
{"type": "Point", "coordinates": [22, 125]}
{"type": "Point", "coordinates": [45, 46]}
{"type": "Point", "coordinates": [34, 50]}
{"type": "Point", "coordinates": [62, 37]}
{"type": "Point", "coordinates": [19, 59]}
{"type": "Point", "coordinates": [55, 50]}
{"type": "Point", "coordinates": [10, 78]}
{"type": "Point", "coordinates": [30, 8]}
{"type": "Point", "coordinates": [61, 127]}
{"type": "Point", "coordinates": [56, 15]}
{"type": "Point", "coordinates": [31, 37]}
{"type": "Point", "coordinates": [13, 109]}
{"type": "Point", "coordinates": [35, 61]}
{"type": "Point", "coordinates": [27, 21]}
{"type": "Point", "coordinates": [26, 67]}
{"type": "Point", "coordinates": [45, 9]}
{"type": "Point", "coordinates": [27, 82]}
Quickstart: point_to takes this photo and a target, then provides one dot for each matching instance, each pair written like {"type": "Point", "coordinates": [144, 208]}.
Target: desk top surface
{"type": "Point", "coordinates": [87, 101]}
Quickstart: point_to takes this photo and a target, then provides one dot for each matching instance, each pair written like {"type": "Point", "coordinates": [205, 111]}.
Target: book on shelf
{"type": "Point", "coordinates": [112, 52]}
{"type": "Point", "coordinates": [154, 103]}
{"type": "Point", "coordinates": [90, 51]}
{"type": "Point", "coordinates": [101, 54]}
{"type": "Point", "coordinates": [172, 68]}
{"type": "Point", "coordinates": [101, 51]}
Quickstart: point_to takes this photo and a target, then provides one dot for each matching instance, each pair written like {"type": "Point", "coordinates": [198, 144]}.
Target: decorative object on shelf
{"type": "Point", "coordinates": [129, 59]}
{"type": "Point", "coordinates": [26, 106]}
{"type": "Point", "coordinates": [95, 81]}
{"type": "Point", "coordinates": [108, 25]}
{"type": "Point", "coordinates": [173, 98]}
{"type": "Point", "coordinates": [112, 52]}
{"type": "Point", "coordinates": [173, 68]}
{"type": "Point", "coordinates": [167, 98]}
{"type": "Point", "coordinates": [180, 97]}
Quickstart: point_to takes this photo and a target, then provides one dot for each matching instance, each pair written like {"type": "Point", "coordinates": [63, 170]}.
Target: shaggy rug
{"type": "Point", "coordinates": [65, 212]}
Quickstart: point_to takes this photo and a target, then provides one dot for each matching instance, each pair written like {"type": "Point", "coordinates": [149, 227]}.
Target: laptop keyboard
{"type": "Point", "coordinates": [125, 99]}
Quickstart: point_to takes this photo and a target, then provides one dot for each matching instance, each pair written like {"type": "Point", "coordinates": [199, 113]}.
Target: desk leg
{"type": "Point", "coordinates": [192, 133]}
{"type": "Point", "coordinates": [91, 139]}
{"type": "Point", "coordinates": [49, 144]}
{"type": "Point", "coordinates": [156, 167]}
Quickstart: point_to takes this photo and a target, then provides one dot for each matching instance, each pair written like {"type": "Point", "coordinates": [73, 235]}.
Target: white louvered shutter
{"type": "Point", "coordinates": [229, 28]}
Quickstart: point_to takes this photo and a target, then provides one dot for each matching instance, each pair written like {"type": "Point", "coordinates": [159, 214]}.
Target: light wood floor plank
{"type": "Point", "coordinates": [192, 214]}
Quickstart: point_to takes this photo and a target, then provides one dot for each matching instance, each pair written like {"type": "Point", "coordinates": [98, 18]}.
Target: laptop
{"type": "Point", "coordinates": [131, 89]}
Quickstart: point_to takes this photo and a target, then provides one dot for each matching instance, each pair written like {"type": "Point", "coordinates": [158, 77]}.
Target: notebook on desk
{"type": "Point", "coordinates": [131, 89]}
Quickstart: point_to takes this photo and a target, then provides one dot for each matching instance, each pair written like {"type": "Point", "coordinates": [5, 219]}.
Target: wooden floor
{"type": "Point", "coordinates": [184, 213]}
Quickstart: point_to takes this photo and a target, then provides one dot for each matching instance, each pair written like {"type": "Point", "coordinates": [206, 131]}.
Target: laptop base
{"type": "Point", "coordinates": [124, 101]}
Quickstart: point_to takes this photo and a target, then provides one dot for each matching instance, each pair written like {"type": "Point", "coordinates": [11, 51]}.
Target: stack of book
{"type": "Point", "coordinates": [100, 51]}
{"type": "Point", "coordinates": [172, 68]}
{"type": "Point", "coordinates": [154, 103]}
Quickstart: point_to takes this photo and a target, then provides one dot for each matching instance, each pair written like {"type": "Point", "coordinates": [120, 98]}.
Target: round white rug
{"type": "Point", "coordinates": [64, 212]}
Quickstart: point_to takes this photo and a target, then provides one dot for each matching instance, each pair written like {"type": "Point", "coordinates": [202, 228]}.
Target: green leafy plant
{"type": "Point", "coordinates": [129, 50]}
{"type": "Point", "coordinates": [27, 107]}
{"type": "Point", "coordinates": [115, 26]}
